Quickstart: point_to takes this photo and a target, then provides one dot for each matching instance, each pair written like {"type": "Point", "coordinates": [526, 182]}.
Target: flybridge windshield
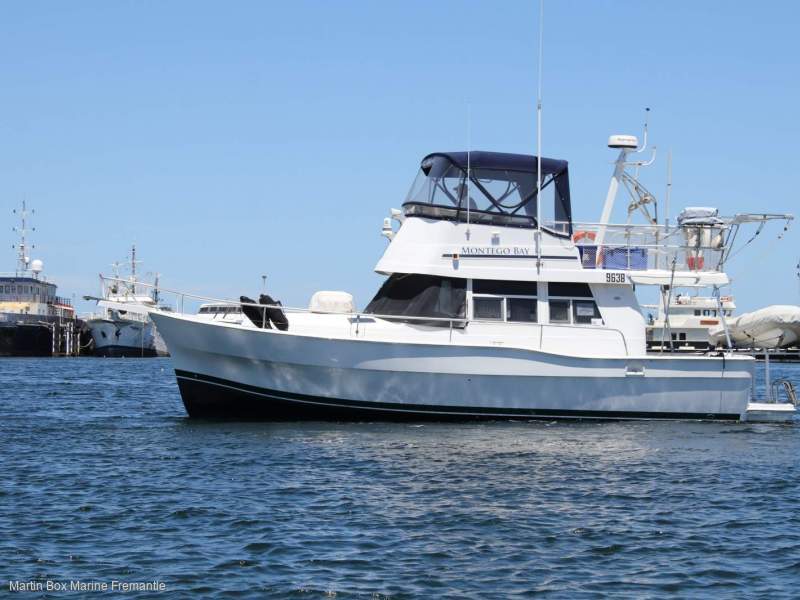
{"type": "Point", "coordinates": [501, 190]}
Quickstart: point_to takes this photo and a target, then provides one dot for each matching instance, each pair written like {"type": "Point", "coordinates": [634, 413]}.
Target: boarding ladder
{"type": "Point", "coordinates": [788, 389]}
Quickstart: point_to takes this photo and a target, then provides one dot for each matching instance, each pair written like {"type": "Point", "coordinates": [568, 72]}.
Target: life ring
{"type": "Point", "coordinates": [695, 263]}
{"type": "Point", "coordinates": [580, 235]}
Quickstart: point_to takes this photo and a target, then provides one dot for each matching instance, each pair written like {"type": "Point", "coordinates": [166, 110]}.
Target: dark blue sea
{"type": "Point", "coordinates": [104, 479]}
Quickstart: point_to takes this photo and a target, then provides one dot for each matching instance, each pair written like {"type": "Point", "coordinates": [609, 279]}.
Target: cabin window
{"type": "Point", "coordinates": [682, 337]}
{"type": "Point", "coordinates": [570, 290]}
{"type": "Point", "coordinates": [504, 288]}
{"type": "Point", "coordinates": [510, 301]}
{"type": "Point", "coordinates": [583, 311]}
{"type": "Point", "coordinates": [559, 311]}
{"type": "Point", "coordinates": [697, 313]}
{"type": "Point", "coordinates": [572, 303]}
{"type": "Point", "coordinates": [521, 310]}
{"type": "Point", "coordinates": [406, 295]}
{"type": "Point", "coordinates": [488, 308]}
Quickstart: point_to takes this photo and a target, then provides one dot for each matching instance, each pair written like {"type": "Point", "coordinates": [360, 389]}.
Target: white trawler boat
{"type": "Point", "coordinates": [123, 328]}
{"type": "Point", "coordinates": [688, 324]}
{"type": "Point", "coordinates": [488, 311]}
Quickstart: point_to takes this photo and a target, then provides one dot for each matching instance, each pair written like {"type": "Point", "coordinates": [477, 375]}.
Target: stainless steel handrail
{"type": "Point", "coordinates": [360, 315]}
{"type": "Point", "coordinates": [291, 309]}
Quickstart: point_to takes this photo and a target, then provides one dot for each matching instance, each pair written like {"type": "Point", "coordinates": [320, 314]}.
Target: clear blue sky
{"type": "Point", "coordinates": [231, 139]}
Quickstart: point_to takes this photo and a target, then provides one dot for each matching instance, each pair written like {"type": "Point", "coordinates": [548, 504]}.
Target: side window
{"type": "Point", "coordinates": [488, 308]}
{"type": "Point", "coordinates": [583, 311]}
{"type": "Point", "coordinates": [572, 303]}
{"type": "Point", "coordinates": [521, 310]}
{"type": "Point", "coordinates": [421, 296]}
{"type": "Point", "coordinates": [509, 301]}
{"type": "Point", "coordinates": [696, 312]}
{"type": "Point", "coordinates": [559, 311]}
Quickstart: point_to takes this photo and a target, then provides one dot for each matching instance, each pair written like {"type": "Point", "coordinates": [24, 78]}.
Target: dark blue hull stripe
{"type": "Point", "coordinates": [206, 396]}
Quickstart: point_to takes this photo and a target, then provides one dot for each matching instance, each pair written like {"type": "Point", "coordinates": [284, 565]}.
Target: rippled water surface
{"type": "Point", "coordinates": [104, 478]}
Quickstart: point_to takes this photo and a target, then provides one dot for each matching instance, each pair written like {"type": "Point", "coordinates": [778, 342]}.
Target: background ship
{"type": "Point", "coordinates": [116, 332]}
{"type": "Point", "coordinates": [34, 321]}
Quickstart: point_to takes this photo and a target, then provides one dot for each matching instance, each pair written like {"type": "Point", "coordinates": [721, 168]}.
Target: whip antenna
{"type": "Point", "coordinates": [469, 151]}
{"type": "Point", "coordinates": [539, 142]}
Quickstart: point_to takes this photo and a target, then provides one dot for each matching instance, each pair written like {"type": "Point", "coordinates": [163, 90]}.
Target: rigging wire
{"type": "Point", "coordinates": [758, 258]}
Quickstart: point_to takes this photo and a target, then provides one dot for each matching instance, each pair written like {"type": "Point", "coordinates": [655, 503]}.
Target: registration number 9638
{"type": "Point", "coordinates": [615, 277]}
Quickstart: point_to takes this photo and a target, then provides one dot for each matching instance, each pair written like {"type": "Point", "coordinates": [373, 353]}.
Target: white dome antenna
{"type": "Point", "coordinates": [37, 266]}
{"type": "Point", "coordinates": [623, 142]}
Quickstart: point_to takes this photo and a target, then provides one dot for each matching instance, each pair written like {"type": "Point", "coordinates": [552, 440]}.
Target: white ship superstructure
{"type": "Point", "coordinates": [123, 327]}
{"type": "Point", "coordinates": [34, 320]}
{"type": "Point", "coordinates": [688, 324]}
{"type": "Point", "coordinates": [495, 305]}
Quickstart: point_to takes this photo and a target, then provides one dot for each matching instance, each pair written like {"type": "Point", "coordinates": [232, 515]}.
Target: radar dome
{"type": "Point", "coordinates": [37, 266]}
{"type": "Point", "coordinates": [624, 142]}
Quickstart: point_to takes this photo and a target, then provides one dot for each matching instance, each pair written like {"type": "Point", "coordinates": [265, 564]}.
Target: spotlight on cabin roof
{"type": "Point", "coordinates": [623, 142]}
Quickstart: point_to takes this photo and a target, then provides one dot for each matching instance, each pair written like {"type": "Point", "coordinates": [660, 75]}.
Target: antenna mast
{"type": "Point", "coordinates": [469, 157]}
{"type": "Point", "coordinates": [539, 142]}
{"type": "Point", "coordinates": [133, 269]}
{"type": "Point", "coordinates": [23, 260]}
{"type": "Point", "coordinates": [669, 188]}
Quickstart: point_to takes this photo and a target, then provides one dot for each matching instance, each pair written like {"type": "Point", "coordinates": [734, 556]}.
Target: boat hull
{"type": "Point", "coordinates": [240, 372]}
{"type": "Point", "coordinates": [125, 352]}
{"type": "Point", "coordinates": [26, 339]}
{"type": "Point", "coordinates": [119, 338]}
{"type": "Point", "coordinates": [212, 397]}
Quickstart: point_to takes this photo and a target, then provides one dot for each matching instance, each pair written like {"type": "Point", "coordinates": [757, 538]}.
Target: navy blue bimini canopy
{"type": "Point", "coordinates": [502, 160]}
{"type": "Point", "coordinates": [502, 187]}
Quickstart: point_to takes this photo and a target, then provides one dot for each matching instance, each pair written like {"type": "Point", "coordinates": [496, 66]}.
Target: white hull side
{"type": "Point", "coordinates": [246, 366]}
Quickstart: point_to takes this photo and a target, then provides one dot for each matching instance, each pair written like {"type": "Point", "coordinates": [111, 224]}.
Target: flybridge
{"type": "Point", "coordinates": [493, 188]}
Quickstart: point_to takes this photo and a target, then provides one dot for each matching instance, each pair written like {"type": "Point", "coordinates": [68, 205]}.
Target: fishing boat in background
{"type": "Point", "coordinates": [122, 329]}
{"type": "Point", "coordinates": [496, 304]}
{"type": "Point", "coordinates": [34, 320]}
{"type": "Point", "coordinates": [687, 325]}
